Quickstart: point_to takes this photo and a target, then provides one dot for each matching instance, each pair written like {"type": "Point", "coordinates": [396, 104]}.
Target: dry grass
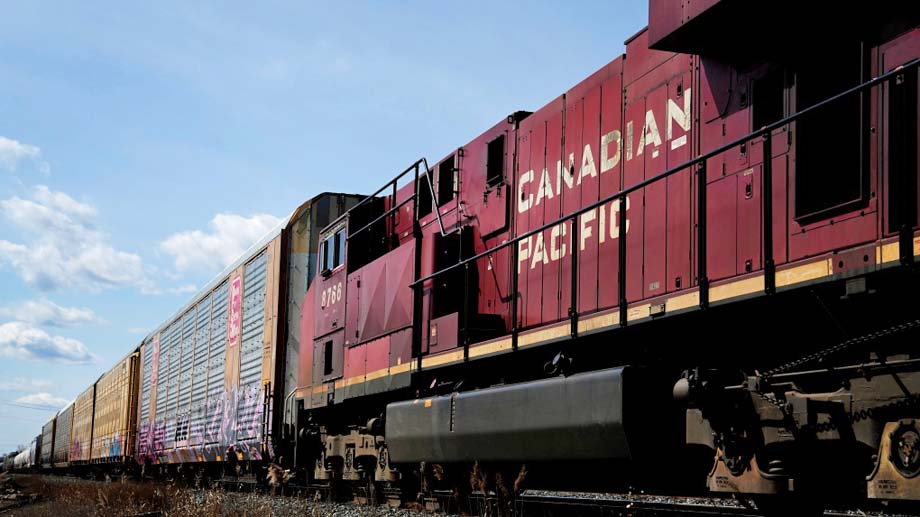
{"type": "Point", "coordinates": [66, 498]}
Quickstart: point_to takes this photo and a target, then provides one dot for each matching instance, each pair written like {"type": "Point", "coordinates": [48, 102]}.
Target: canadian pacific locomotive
{"type": "Point", "coordinates": [694, 270]}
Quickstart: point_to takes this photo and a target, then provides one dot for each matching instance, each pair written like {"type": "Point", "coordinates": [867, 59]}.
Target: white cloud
{"type": "Point", "coordinates": [24, 384]}
{"type": "Point", "coordinates": [228, 237]}
{"type": "Point", "coordinates": [149, 289]}
{"type": "Point", "coordinates": [24, 341]}
{"type": "Point", "coordinates": [64, 248]}
{"type": "Point", "coordinates": [43, 399]}
{"type": "Point", "coordinates": [13, 153]}
{"type": "Point", "coordinates": [47, 313]}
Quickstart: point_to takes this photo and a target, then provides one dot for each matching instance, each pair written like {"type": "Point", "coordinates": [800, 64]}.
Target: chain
{"type": "Point", "coordinates": [909, 401]}
{"type": "Point", "coordinates": [840, 347]}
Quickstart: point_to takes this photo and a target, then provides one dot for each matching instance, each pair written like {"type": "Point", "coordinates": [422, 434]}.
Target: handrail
{"type": "Point", "coordinates": [338, 219]}
{"type": "Point", "coordinates": [670, 172]}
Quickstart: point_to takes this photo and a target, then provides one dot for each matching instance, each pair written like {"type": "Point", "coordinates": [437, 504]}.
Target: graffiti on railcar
{"type": "Point", "coordinates": [232, 424]}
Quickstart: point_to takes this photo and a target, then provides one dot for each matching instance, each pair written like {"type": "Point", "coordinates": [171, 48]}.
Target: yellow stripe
{"type": "Point", "coordinates": [339, 383]}
{"type": "Point", "coordinates": [376, 374]}
{"type": "Point", "coordinates": [401, 368]}
{"type": "Point", "coordinates": [682, 301]}
{"type": "Point", "coordinates": [737, 288]}
{"type": "Point", "coordinates": [437, 360]}
{"type": "Point", "coordinates": [546, 334]}
{"type": "Point", "coordinates": [491, 348]}
{"type": "Point", "coordinates": [890, 252]}
{"type": "Point", "coordinates": [638, 312]}
{"type": "Point", "coordinates": [804, 273]}
{"type": "Point", "coordinates": [320, 389]}
{"type": "Point", "coordinates": [599, 322]}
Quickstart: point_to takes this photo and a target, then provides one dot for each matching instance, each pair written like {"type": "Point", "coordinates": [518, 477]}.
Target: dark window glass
{"type": "Point", "coordinates": [447, 181]}
{"type": "Point", "coordinates": [327, 358]}
{"type": "Point", "coordinates": [769, 93]}
{"type": "Point", "coordinates": [424, 196]}
{"type": "Point", "coordinates": [830, 169]}
{"type": "Point", "coordinates": [339, 248]}
{"type": "Point", "coordinates": [495, 161]}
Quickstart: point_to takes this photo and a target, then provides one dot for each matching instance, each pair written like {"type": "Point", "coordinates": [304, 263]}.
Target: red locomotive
{"type": "Point", "coordinates": [693, 270]}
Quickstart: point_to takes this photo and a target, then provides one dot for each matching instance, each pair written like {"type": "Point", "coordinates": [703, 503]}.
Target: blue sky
{"type": "Point", "coordinates": [143, 147]}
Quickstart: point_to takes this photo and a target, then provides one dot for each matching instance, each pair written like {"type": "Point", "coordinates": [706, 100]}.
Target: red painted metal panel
{"type": "Point", "coordinates": [444, 333]}
{"type": "Point", "coordinates": [378, 354]}
{"type": "Point", "coordinates": [642, 59]}
{"type": "Point", "coordinates": [611, 157]}
{"type": "Point", "coordinates": [523, 193]}
{"type": "Point", "coordinates": [372, 311]}
{"type": "Point", "coordinates": [589, 174]}
{"type": "Point", "coordinates": [634, 172]}
{"type": "Point", "coordinates": [571, 196]}
{"type": "Point", "coordinates": [655, 228]}
{"type": "Point", "coordinates": [398, 270]}
{"type": "Point", "coordinates": [353, 309]}
{"type": "Point", "coordinates": [534, 301]}
{"type": "Point", "coordinates": [554, 240]}
{"type": "Point", "coordinates": [722, 220]}
{"type": "Point", "coordinates": [400, 347]}
{"type": "Point", "coordinates": [678, 142]}
{"type": "Point", "coordinates": [749, 221]}
{"type": "Point", "coordinates": [356, 361]}
{"type": "Point", "coordinates": [329, 299]}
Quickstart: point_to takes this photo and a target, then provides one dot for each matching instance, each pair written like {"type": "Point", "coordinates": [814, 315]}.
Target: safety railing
{"type": "Point", "coordinates": [698, 166]}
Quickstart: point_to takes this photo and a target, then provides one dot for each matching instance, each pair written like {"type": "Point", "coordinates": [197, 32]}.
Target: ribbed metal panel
{"type": "Point", "coordinates": [146, 370]}
{"type": "Point", "coordinates": [174, 337]}
{"type": "Point", "coordinates": [218, 344]}
{"type": "Point", "coordinates": [216, 361]}
{"type": "Point", "coordinates": [47, 447]}
{"type": "Point", "coordinates": [251, 347]}
{"type": "Point", "coordinates": [62, 437]}
{"type": "Point", "coordinates": [162, 377]}
{"type": "Point", "coordinates": [186, 361]}
{"type": "Point", "coordinates": [200, 371]}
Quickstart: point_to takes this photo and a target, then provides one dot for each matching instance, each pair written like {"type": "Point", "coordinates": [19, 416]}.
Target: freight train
{"type": "Point", "coordinates": [694, 271]}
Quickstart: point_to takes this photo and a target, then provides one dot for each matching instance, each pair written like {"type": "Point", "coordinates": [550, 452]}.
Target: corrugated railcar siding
{"type": "Point", "coordinates": [146, 400]}
{"type": "Point", "coordinates": [47, 448]}
{"type": "Point", "coordinates": [216, 366]}
{"type": "Point", "coordinates": [186, 370]}
{"type": "Point", "coordinates": [174, 336]}
{"type": "Point", "coordinates": [82, 434]}
{"type": "Point", "coordinates": [61, 456]}
{"type": "Point", "coordinates": [113, 423]}
{"type": "Point", "coordinates": [200, 371]}
{"type": "Point", "coordinates": [250, 393]}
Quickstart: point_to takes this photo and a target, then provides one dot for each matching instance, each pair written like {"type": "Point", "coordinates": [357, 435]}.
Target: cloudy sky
{"type": "Point", "coordinates": [142, 149]}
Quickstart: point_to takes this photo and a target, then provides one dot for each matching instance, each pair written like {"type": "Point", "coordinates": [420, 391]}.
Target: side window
{"type": "Point", "coordinates": [327, 253]}
{"type": "Point", "coordinates": [424, 196]}
{"type": "Point", "coordinates": [324, 256]}
{"type": "Point", "coordinates": [339, 252]}
{"type": "Point", "coordinates": [447, 181]}
{"type": "Point", "coordinates": [495, 161]}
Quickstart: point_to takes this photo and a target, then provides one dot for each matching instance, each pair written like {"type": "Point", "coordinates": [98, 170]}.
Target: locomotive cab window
{"type": "Point", "coordinates": [831, 152]}
{"type": "Point", "coordinates": [447, 181]}
{"type": "Point", "coordinates": [332, 254]}
{"type": "Point", "coordinates": [495, 161]}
